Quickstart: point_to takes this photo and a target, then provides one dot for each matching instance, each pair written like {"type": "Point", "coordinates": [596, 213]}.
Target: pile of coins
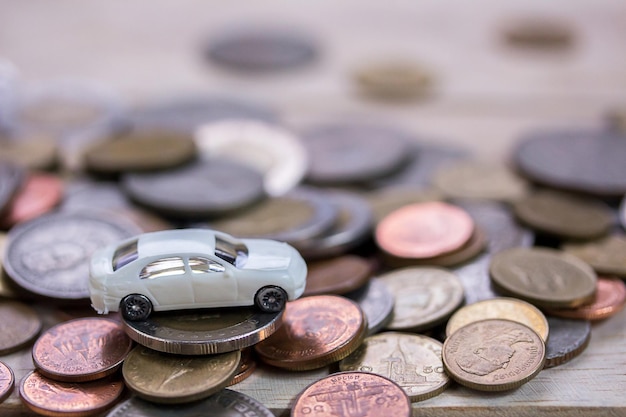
{"type": "Point", "coordinates": [422, 269]}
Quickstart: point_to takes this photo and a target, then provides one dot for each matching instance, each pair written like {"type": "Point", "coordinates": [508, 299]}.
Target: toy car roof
{"type": "Point", "coordinates": [168, 242]}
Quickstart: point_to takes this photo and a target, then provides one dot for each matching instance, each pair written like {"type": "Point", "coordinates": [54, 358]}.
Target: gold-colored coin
{"type": "Point", "coordinates": [35, 152]}
{"type": "Point", "coordinates": [394, 80]}
{"type": "Point", "coordinates": [493, 355]}
{"type": "Point", "coordinates": [173, 379]}
{"type": "Point", "coordinates": [425, 297]}
{"type": "Point", "coordinates": [480, 180]}
{"type": "Point", "coordinates": [500, 308]}
{"type": "Point", "coordinates": [606, 255]}
{"type": "Point", "coordinates": [410, 360]}
{"type": "Point", "coordinates": [544, 277]}
{"type": "Point", "coordinates": [564, 215]}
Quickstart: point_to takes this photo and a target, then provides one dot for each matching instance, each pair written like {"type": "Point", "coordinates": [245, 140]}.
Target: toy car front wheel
{"type": "Point", "coordinates": [270, 299]}
{"type": "Point", "coordinates": [135, 307]}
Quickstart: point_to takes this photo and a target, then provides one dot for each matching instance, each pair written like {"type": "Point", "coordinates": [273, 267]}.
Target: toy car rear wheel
{"type": "Point", "coordinates": [135, 307]}
{"type": "Point", "coordinates": [270, 299]}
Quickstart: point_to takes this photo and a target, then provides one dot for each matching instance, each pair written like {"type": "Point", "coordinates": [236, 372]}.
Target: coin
{"type": "Point", "coordinates": [500, 308]}
{"type": "Point", "coordinates": [425, 297]}
{"type": "Point", "coordinates": [352, 227]}
{"type": "Point", "coordinates": [200, 189]}
{"type": "Point", "coordinates": [493, 355]}
{"type": "Point", "coordinates": [337, 275]}
{"type": "Point", "coordinates": [386, 200]}
{"type": "Point", "coordinates": [203, 332]}
{"type": "Point", "coordinates": [19, 325]}
{"type": "Point", "coordinates": [544, 277]}
{"type": "Point", "coordinates": [187, 113]}
{"type": "Point", "coordinates": [247, 366]}
{"type": "Point", "coordinates": [354, 153]}
{"type": "Point", "coordinates": [11, 177]}
{"type": "Point", "coordinates": [316, 332]}
{"type": "Point", "coordinates": [81, 194]}
{"type": "Point", "coordinates": [476, 243]}
{"type": "Point", "coordinates": [80, 350]}
{"type": "Point", "coordinates": [609, 299]}
{"type": "Point", "coordinates": [480, 180]}
{"type": "Point", "coordinates": [140, 150]}
{"type": "Point", "coordinates": [424, 230]}
{"type": "Point", "coordinates": [616, 119]}
{"type": "Point", "coordinates": [568, 339]}
{"type": "Point", "coordinates": [7, 380]}
{"type": "Point", "coordinates": [39, 194]}
{"type": "Point", "coordinates": [411, 361]}
{"type": "Point", "coordinates": [295, 217]}
{"type": "Point", "coordinates": [371, 394]}
{"type": "Point", "coordinates": [261, 49]}
{"type": "Point", "coordinates": [53, 398]}
{"type": "Point", "coordinates": [539, 33]}
{"type": "Point", "coordinates": [564, 215]}
{"type": "Point", "coordinates": [174, 379]}
{"type": "Point", "coordinates": [226, 403]}
{"type": "Point", "coordinates": [606, 255]}
{"type": "Point", "coordinates": [7, 289]}
{"type": "Point", "coordinates": [49, 255]}
{"type": "Point", "coordinates": [503, 232]}
{"type": "Point", "coordinates": [377, 302]}
{"type": "Point", "coordinates": [269, 149]}
{"type": "Point", "coordinates": [34, 152]}
{"type": "Point", "coordinates": [540, 157]}
{"type": "Point", "coordinates": [395, 80]}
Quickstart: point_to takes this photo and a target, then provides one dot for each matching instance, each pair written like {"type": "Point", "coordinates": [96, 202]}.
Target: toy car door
{"type": "Point", "coordinates": [213, 283]}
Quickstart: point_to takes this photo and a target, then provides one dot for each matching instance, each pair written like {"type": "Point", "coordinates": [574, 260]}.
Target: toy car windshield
{"type": "Point", "coordinates": [231, 251]}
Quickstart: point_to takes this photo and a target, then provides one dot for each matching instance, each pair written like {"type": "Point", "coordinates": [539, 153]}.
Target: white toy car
{"type": "Point", "coordinates": [194, 268]}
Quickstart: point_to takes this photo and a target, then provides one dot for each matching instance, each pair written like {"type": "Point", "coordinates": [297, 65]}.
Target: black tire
{"type": "Point", "coordinates": [270, 299]}
{"type": "Point", "coordinates": [135, 307]}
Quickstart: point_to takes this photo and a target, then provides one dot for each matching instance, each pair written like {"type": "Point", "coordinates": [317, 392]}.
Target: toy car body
{"type": "Point", "coordinates": [193, 268]}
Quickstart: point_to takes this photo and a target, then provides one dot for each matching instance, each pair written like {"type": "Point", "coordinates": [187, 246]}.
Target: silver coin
{"type": "Point", "coordinates": [352, 227]}
{"type": "Point", "coordinates": [503, 232]}
{"type": "Point", "coordinates": [49, 256]}
{"type": "Point", "coordinates": [226, 403]}
{"type": "Point", "coordinates": [593, 163]}
{"type": "Point", "coordinates": [354, 153]}
{"type": "Point", "coordinates": [189, 113]}
{"type": "Point", "coordinates": [270, 149]}
{"type": "Point", "coordinates": [377, 302]}
{"type": "Point", "coordinates": [200, 189]}
{"type": "Point", "coordinates": [203, 332]}
{"type": "Point", "coordinates": [258, 49]}
{"type": "Point", "coordinates": [8, 83]}
{"type": "Point", "coordinates": [11, 178]}
{"type": "Point", "coordinates": [87, 194]}
{"type": "Point", "coordinates": [425, 161]}
{"type": "Point", "coordinates": [568, 338]}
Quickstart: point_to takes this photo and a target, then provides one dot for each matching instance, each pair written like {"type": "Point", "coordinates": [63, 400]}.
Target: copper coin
{"type": "Point", "coordinates": [141, 150]}
{"type": "Point", "coordinates": [544, 277]}
{"type": "Point", "coordinates": [65, 399]}
{"type": "Point", "coordinates": [19, 325]}
{"type": "Point", "coordinates": [424, 230]}
{"type": "Point", "coordinates": [337, 275]}
{"type": "Point", "coordinates": [610, 299]}
{"type": "Point", "coordinates": [316, 332]}
{"type": "Point", "coordinates": [81, 350]}
{"type": "Point", "coordinates": [564, 215]}
{"type": "Point", "coordinates": [475, 245]}
{"type": "Point", "coordinates": [39, 194]}
{"type": "Point", "coordinates": [7, 379]}
{"type": "Point", "coordinates": [247, 366]}
{"type": "Point", "coordinates": [352, 393]}
{"type": "Point", "coordinates": [493, 355]}
{"type": "Point", "coordinates": [388, 199]}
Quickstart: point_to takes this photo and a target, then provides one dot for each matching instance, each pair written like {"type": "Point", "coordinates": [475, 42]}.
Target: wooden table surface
{"type": "Point", "coordinates": [484, 96]}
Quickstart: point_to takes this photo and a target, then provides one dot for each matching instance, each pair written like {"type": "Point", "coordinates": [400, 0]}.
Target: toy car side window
{"type": "Point", "coordinates": [125, 254]}
{"type": "Point", "coordinates": [200, 265]}
{"type": "Point", "coordinates": [164, 267]}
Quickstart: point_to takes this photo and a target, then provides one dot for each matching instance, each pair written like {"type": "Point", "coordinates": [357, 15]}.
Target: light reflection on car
{"type": "Point", "coordinates": [194, 268]}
